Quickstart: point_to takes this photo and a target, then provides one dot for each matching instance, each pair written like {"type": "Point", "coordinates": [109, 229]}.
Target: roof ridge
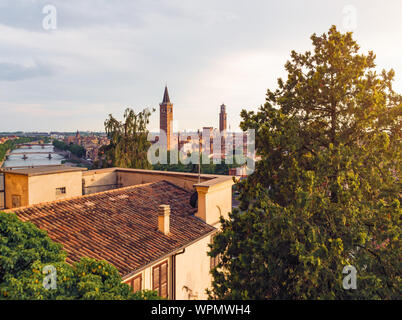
{"type": "Point", "coordinates": [40, 204]}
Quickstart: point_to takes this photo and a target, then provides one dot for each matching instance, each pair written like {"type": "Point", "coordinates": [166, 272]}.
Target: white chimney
{"type": "Point", "coordinates": [164, 218]}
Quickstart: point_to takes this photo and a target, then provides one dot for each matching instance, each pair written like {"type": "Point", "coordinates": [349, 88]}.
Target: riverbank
{"type": "Point", "coordinates": [72, 160]}
{"type": "Point", "coordinates": [5, 157]}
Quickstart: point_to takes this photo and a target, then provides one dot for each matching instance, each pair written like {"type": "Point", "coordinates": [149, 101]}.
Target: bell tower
{"type": "Point", "coordinates": [166, 117]}
{"type": "Point", "coordinates": [222, 119]}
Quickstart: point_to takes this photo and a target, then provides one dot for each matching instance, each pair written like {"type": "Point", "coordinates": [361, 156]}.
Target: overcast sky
{"type": "Point", "coordinates": [107, 55]}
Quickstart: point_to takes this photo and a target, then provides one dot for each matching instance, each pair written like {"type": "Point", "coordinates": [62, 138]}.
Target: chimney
{"type": "Point", "coordinates": [164, 218]}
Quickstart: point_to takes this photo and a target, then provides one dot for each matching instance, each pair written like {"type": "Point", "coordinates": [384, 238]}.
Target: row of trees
{"type": "Point", "coordinates": [75, 149]}
{"type": "Point", "coordinates": [207, 168]}
{"type": "Point", "coordinates": [129, 146]}
{"type": "Point", "coordinates": [27, 259]}
{"type": "Point", "coordinates": [12, 144]}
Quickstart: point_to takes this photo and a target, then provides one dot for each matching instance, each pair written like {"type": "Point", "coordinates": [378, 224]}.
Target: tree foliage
{"type": "Point", "coordinates": [25, 250]}
{"type": "Point", "coordinates": [326, 193]}
{"type": "Point", "coordinates": [206, 168]}
{"type": "Point", "coordinates": [10, 145]}
{"type": "Point", "coordinates": [128, 140]}
{"type": "Point", "coordinates": [75, 149]}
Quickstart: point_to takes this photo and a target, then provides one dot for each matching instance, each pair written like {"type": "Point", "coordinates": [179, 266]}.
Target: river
{"type": "Point", "coordinates": [35, 156]}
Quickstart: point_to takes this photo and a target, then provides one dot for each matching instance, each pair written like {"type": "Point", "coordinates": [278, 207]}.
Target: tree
{"type": "Point", "coordinates": [75, 149]}
{"type": "Point", "coordinates": [10, 145]}
{"type": "Point", "coordinates": [128, 140]}
{"type": "Point", "coordinates": [26, 252]}
{"type": "Point", "coordinates": [326, 193]}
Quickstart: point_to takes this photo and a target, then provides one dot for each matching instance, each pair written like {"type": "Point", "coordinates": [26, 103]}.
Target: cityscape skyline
{"type": "Point", "coordinates": [103, 58]}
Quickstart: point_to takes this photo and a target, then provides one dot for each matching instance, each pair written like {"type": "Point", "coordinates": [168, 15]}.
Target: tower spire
{"type": "Point", "coordinates": [166, 95]}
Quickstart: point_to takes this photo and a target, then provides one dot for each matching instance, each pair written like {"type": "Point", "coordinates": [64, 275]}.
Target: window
{"type": "Point", "coordinates": [60, 191]}
{"type": "Point", "coordinates": [214, 260]}
{"type": "Point", "coordinates": [136, 283]}
{"type": "Point", "coordinates": [16, 201]}
{"type": "Point", "coordinates": [160, 279]}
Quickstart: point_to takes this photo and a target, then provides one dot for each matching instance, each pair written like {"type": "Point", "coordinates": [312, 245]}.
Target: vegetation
{"type": "Point", "coordinates": [128, 141]}
{"type": "Point", "coordinates": [24, 252]}
{"type": "Point", "coordinates": [210, 168]}
{"type": "Point", "coordinates": [326, 193]}
{"type": "Point", "coordinates": [12, 144]}
{"type": "Point", "coordinates": [75, 149]}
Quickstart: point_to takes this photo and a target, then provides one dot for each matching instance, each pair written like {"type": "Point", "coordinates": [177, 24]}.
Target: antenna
{"type": "Point", "coordinates": [199, 157]}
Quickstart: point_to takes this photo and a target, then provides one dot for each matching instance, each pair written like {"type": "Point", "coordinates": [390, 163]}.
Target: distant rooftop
{"type": "Point", "coordinates": [41, 170]}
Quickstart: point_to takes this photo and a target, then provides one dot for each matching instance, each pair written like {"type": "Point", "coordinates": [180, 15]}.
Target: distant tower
{"type": "Point", "coordinates": [222, 127]}
{"type": "Point", "coordinates": [222, 118]}
{"type": "Point", "coordinates": [77, 138]}
{"type": "Point", "coordinates": [166, 117]}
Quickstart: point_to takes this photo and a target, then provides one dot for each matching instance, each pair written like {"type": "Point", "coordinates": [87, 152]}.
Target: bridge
{"type": "Point", "coordinates": [25, 154]}
{"type": "Point", "coordinates": [30, 145]}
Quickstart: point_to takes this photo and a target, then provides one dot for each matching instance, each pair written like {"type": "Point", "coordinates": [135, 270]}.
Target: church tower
{"type": "Point", "coordinates": [166, 117]}
{"type": "Point", "coordinates": [222, 128]}
{"type": "Point", "coordinates": [222, 119]}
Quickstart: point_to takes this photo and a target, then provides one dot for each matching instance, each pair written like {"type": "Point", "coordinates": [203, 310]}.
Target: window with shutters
{"type": "Point", "coordinates": [160, 279]}
{"type": "Point", "coordinates": [136, 283]}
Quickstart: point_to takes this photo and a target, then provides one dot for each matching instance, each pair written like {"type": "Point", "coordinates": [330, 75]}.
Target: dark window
{"type": "Point", "coordinates": [160, 279]}
{"type": "Point", "coordinates": [60, 191]}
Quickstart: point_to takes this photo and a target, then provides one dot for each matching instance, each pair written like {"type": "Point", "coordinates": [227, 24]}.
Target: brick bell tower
{"type": "Point", "coordinates": [166, 117]}
{"type": "Point", "coordinates": [222, 119]}
{"type": "Point", "coordinates": [223, 127]}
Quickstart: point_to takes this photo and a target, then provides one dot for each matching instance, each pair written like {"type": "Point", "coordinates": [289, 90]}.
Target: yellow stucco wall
{"type": "Point", "coordinates": [99, 180]}
{"type": "Point", "coordinates": [127, 178]}
{"type": "Point", "coordinates": [192, 271]}
{"type": "Point", "coordinates": [147, 276]}
{"type": "Point", "coordinates": [214, 201]}
{"type": "Point", "coordinates": [16, 184]}
{"type": "Point", "coordinates": [42, 188]}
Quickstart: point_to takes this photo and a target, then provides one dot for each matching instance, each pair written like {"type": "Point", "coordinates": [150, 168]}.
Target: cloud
{"type": "Point", "coordinates": [107, 55]}
{"type": "Point", "coordinates": [16, 72]}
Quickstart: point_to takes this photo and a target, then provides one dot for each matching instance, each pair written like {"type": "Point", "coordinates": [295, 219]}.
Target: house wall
{"type": "Point", "coordinates": [42, 188]}
{"type": "Point", "coordinates": [106, 179]}
{"type": "Point", "coordinates": [127, 178]}
{"type": "Point", "coordinates": [99, 180]}
{"type": "Point", "coordinates": [147, 276]}
{"type": "Point", "coordinates": [192, 272]}
{"type": "Point", "coordinates": [214, 200]}
{"type": "Point", "coordinates": [16, 184]}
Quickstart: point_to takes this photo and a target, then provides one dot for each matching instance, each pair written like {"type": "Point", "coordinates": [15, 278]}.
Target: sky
{"type": "Point", "coordinates": [67, 66]}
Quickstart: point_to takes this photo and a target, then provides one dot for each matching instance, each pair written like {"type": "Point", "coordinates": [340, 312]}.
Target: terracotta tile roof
{"type": "Point", "coordinates": [119, 226]}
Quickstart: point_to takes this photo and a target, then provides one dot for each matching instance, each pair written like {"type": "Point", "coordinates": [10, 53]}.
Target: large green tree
{"type": "Point", "coordinates": [26, 253]}
{"type": "Point", "coordinates": [128, 140]}
{"type": "Point", "coordinates": [326, 193]}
